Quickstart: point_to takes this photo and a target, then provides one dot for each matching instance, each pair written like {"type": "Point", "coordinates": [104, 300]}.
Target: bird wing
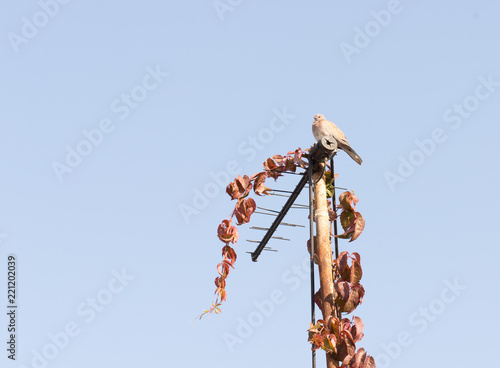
{"type": "Point", "coordinates": [336, 132]}
{"type": "Point", "coordinates": [342, 142]}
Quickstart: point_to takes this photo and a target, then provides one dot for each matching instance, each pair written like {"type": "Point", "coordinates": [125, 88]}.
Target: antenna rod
{"type": "Point", "coordinates": [256, 253]}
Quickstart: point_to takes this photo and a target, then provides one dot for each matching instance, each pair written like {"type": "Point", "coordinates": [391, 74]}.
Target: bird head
{"type": "Point", "coordinates": [318, 117]}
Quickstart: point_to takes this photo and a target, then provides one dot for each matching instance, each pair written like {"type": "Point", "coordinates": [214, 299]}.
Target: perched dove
{"type": "Point", "coordinates": [322, 127]}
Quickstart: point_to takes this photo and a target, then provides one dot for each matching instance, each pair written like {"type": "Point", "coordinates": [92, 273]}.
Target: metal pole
{"type": "Point", "coordinates": [335, 233]}
{"type": "Point", "coordinates": [311, 242]}
{"type": "Point", "coordinates": [334, 205]}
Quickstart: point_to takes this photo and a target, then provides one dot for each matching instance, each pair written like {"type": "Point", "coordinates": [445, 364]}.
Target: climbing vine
{"type": "Point", "coordinates": [336, 336]}
{"type": "Point", "coordinates": [240, 190]}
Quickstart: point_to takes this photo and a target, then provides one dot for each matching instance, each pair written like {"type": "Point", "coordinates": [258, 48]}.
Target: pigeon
{"type": "Point", "coordinates": [322, 127]}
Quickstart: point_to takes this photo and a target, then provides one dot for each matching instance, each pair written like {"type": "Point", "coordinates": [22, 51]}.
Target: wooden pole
{"type": "Point", "coordinates": [324, 250]}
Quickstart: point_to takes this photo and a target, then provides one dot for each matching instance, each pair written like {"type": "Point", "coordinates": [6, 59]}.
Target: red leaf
{"type": "Point", "coordinates": [356, 256]}
{"type": "Point", "coordinates": [297, 158]}
{"type": "Point", "coordinates": [353, 224]}
{"type": "Point", "coordinates": [333, 325]}
{"type": "Point", "coordinates": [357, 328]}
{"type": "Point", "coordinates": [222, 295]}
{"type": "Point", "coordinates": [358, 359]}
{"type": "Point", "coordinates": [347, 337]}
{"type": "Point", "coordinates": [344, 269]}
{"type": "Point", "coordinates": [330, 343]}
{"type": "Point", "coordinates": [355, 298]}
{"type": "Point", "coordinates": [227, 264]}
{"type": "Point", "coordinates": [273, 170]}
{"type": "Point", "coordinates": [332, 215]}
{"type": "Point", "coordinates": [315, 249]}
{"type": "Point", "coordinates": [362, 360]}
{"type": "Point", "coordinates": [280, 160]}
{"type": "Point", "coordinates": [244, 209]}
{"type": "Point", "coordinates": [251, 207]}
{"type": "Point", "coordinates": [229, 254]}
{"type": "Point", "coordinates": [346, 219]}
{"type": "Point", "coordinates": [342, 350]}
{"type": "Point", "coordinates": [317, 328]}
{"type": "Point", "coordinates": [369, 362]}
{"type": "Point", "coordinates": [356, 271]}
{"type": "Point", "coordinates": [348, 201]}
{"type": "Point", "coordinates": [359, 225]}
{"type": "Point", "coordinates": [316, 341]}
{"type": "Point", "coordinates": [290, 165]}
{"type": "Point", "coordinates": [344, 236]}
{"type": "Point", "coordinates": [270, 165]}
{"type": "Point", "coordinates": [223, 269]}
{"type": "Point", "coordinates": [258, 185]}
{"type": "Point", "coordinates": [227, 232]}
{"type": "Point", "coordinates": [342, 289]}
{"type": "Point", "coordinates": [317, 300]}
{"type": "Point", "coordinates": [239, 188]}
{"type": "Point", "coordinates": [220, 282]}
{"type": "Point", "coordinates": [346, 324]}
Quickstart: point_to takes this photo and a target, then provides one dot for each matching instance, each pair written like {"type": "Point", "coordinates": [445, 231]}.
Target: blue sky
{"type": "Point", "coordinates": [122, 122]}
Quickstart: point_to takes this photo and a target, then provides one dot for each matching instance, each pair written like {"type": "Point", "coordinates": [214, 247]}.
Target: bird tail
{"type": "Point", "coordinates": [351, 153]}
